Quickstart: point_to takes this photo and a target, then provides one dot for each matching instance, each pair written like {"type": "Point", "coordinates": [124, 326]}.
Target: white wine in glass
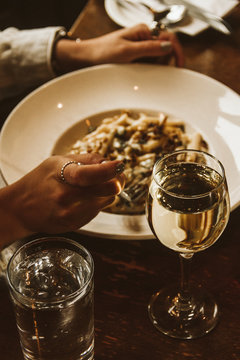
{"type": "Point", "coordinates": [187, 210]}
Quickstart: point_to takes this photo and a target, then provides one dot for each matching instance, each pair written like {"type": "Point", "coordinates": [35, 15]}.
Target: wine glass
{"type": "Point", "coordinates": [187, 210]}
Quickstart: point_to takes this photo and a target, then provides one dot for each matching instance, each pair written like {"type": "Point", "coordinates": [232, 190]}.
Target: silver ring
{"type": "Point", "coordinates": [64, 167]}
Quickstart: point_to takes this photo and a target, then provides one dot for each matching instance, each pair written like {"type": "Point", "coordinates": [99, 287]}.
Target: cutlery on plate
{"type": "Point", "coordinates": [208, 17]}
{"type": "Point", "coordinates": [133, 194]}
{"type": "Point", "coordinates": [175, 15]}
{"type": "Point", "coordinates": [161, 19]}
{"type": "Point", "coordinates": [142, 6]}
{"type": "Point", "coordinates": [136, 191]}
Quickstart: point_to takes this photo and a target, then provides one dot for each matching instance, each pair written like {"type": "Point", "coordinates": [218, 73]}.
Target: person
{"type": "Point", "coordinates": [41, 201]}
{"type": "Point", "coordinates": [62, 194]}
{"type": "Point", "coordinates": [29, 58]}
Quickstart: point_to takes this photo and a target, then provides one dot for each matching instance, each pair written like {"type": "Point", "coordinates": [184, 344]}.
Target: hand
{"type": "Point", "coordinates": [121, 46]}
{"type": "Point", "coordinates": [42, 202]}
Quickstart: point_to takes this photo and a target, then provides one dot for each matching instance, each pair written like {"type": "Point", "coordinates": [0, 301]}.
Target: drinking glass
{"type": "Point", "coordinates": [187, 210]}
{"type": "Point", "coordinates": [51, 286]}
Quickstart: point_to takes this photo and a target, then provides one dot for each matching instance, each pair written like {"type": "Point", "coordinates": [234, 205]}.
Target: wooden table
{"type": "Point", "coordinates": [127, 273]}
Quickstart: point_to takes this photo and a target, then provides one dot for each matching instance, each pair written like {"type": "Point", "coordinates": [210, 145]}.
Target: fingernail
{"type": "Point", "coordinates": [166, 45]}
{"type": "Point", "coordinates": [119, 168]}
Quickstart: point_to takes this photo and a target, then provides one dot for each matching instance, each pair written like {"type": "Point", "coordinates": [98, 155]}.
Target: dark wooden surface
{"type": "Point", "coordinates": [127, 273]}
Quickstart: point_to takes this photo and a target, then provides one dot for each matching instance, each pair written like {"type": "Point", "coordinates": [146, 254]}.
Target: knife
{"type": "Point", "coordinates": [196, 12]}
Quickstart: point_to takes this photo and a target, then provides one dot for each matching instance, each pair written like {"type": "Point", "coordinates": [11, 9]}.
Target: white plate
{"type": "Point", "coordinates": [192, 26]}
{"type": "Point", "coordinates": [36, 124]}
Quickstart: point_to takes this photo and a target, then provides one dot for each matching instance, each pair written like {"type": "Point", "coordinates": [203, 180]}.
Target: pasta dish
{"type": "Point", "coordinates": [138, 139]}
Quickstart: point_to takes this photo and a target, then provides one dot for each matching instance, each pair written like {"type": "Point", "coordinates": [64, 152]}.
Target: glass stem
{"type": "Point", "coordinates": [184, 293]}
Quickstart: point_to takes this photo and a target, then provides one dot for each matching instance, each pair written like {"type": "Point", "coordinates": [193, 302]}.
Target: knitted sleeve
{"type": "Point", "coordinates": [25, 59]}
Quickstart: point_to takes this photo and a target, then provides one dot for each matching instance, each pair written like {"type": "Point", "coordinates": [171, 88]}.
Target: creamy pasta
{"type": "Point", "coordinates": [138, 139]}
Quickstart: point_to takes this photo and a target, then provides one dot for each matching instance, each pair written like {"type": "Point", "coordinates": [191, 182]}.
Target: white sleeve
{"type": "Point", "coordinates": [25, 59]}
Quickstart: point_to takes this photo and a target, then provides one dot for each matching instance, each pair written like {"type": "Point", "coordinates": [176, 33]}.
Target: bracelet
{"type": "Point", "coordinates": [60, 34]}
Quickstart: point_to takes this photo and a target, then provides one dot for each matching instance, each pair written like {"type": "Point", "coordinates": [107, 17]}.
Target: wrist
{"type": "Point", "coordinates": [63, 50]}
{"type": "Point", "coordinates": [60, 34]}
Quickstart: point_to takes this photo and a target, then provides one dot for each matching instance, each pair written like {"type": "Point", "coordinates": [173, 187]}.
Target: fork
{"type": "Point", "coordinates": [134, 193]}
{"type": "Point", "coordinates": [137, 188]}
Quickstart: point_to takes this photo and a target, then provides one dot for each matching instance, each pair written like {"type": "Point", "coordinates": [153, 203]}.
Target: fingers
{"type": "Point", "coordinates": [151, 48]}
{"type": "Point", "coordinates": [137, 33]}
{"type": "Point", "coordinates": [108, 189]}
{"type": "Point", "coordinates": [91, 205]}
{"type": "Point", "coordinates": [143, 44]}
{"type": "Point", "coordinates": [92, 174]}
{"type": "Point", "coordinates": [176, 46]}
{"type": "Point", "coordinates": [78, 214]}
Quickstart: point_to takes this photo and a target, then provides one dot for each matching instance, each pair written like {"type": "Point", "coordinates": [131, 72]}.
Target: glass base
{"type": "Point", "coordinates": [88, 354]}
{"type": "Point", "coordinates": [183, 318]}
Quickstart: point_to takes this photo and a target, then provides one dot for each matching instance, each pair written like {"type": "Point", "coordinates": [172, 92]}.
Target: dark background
{"type": "Point", "coordinates": [27, 14]}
